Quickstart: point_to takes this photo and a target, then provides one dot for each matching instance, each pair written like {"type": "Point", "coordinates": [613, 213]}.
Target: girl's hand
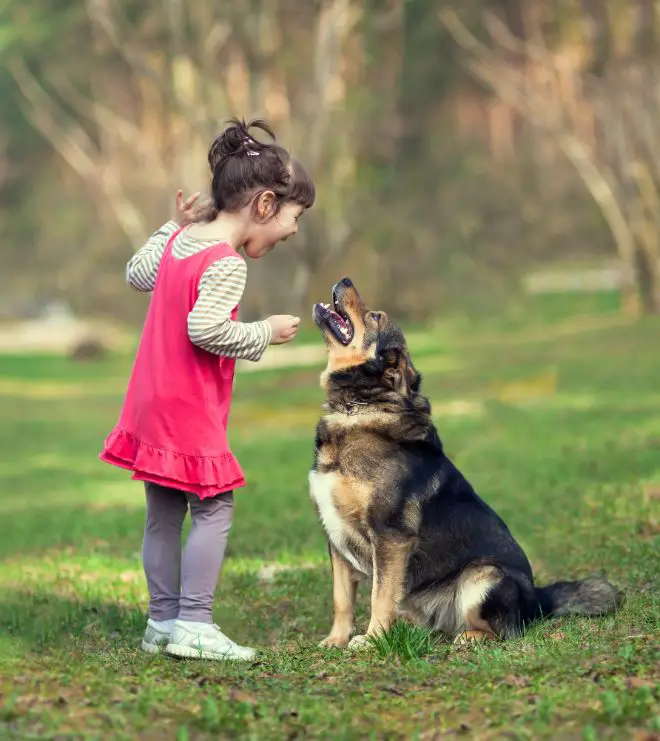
{"type": "Point", "coordinates": [195, 208]}
{"type": "Point", "coordinates": [284, 328]}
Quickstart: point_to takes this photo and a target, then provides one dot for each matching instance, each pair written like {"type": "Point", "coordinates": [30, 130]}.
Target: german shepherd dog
{"type": "Point", "coordinates": [398, 513]}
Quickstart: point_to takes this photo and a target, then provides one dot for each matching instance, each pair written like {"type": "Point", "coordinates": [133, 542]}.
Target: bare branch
{"type": "Point", "coordinates": [76, 147]}
{"type": "Point", "coordinates": [107, 119]}
{"type": "Point", "coordinates": [100, 15]}
{"type": "Point", "coordinates": [554, 108]}
{"type": "Point", "coordinates": [502, 36]}
{"type": "Point", "coordinates": [69, 139]}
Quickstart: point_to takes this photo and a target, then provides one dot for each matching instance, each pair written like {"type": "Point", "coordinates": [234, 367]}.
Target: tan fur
{"type": "Point", "coordinates": [364, 420]}
{"type": "Point", "coordinates": [355, 353]}
{"type": "Point", "coordinates": [343, 357]}
{"type": "Point", "coordinates": [352, 497]}
{"type": "Point", "coordinates": [412, 515]}
{"type": "Point", "coordinates": [327, 457]}
{"type": "Point", "coordinates": [342, 530]}
{"type": "Point", "coordinates": [389, 564]}
{"type": "Point", "coordinates": [475, 622]}
{"type": "Point", "coordinates": [473, 636]}
{"type": "Point", "coordinates": [473, 586]}
{"type": "Point", "coordinates": [344, 591]}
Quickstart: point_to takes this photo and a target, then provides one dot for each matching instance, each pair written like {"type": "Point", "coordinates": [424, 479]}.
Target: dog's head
{"type": "Point", "coordinates": [366, 350]}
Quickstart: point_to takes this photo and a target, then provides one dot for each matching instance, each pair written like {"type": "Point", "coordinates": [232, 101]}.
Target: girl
{"type": "Point", "coordinates": [172, 431]}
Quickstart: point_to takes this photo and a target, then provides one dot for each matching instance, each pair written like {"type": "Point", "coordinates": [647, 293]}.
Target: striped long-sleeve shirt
{"type": "Point", "coordinates": [220, 288]}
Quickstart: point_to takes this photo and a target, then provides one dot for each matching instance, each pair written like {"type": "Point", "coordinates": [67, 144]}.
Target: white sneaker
{"type": "Point", "coordinates": [157, 635]}
{"type": "Point", "coordinates": [205, 641]}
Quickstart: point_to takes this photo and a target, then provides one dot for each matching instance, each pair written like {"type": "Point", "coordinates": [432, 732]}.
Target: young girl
{"type": "Point", "coordinates": [172, 431]}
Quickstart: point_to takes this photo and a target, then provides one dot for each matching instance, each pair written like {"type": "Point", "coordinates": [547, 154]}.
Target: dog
{"type": "Point", "coordinates": [398, 513]}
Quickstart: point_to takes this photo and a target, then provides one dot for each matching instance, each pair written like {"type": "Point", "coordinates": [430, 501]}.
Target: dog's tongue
{"type": "Point", "coordinates": [338, 318]}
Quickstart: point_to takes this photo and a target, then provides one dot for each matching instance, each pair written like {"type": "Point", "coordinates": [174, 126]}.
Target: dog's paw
{"type": "Point", "coordinates": [472, 636]}
{"type": "Point", "coordinates": [335, 641]}
{"type": "Point", "coordinates": [359, 643]}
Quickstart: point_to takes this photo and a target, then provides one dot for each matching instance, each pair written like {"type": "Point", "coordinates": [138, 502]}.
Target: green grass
{"type": "Point", "coordinates": [557, 426]}
{"type": "Point", "coordinates": [405, 642]}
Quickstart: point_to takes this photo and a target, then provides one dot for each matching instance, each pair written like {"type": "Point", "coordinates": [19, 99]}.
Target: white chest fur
{"type": "Point", "coordinates": [321, 486]}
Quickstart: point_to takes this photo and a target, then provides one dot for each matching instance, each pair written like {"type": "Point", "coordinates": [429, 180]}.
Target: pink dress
{"type": "Point", "coordinates": [172, 429]}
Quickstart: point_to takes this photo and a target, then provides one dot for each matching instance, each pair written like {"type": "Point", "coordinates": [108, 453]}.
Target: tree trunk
{"type": "Point", "coordinates": [648, 279]}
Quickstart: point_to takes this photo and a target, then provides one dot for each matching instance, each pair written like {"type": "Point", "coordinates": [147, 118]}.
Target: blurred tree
{"type": "Point", "coordinates": [431, 189]}
{"type": "Point", "coordinates": [605, 121]}
{"type": "Point", "coordinates": [184, 67]}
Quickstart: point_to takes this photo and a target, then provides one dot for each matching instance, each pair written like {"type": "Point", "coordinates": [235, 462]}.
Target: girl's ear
{"type": "Point", "coordinates": [265, 205]}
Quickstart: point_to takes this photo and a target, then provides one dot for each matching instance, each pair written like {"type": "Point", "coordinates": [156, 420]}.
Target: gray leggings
{"type": "Point", "coordinates": [184, 587]}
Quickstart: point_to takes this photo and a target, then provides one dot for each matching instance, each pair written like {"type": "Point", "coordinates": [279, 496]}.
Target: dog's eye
{"type": "Point", "coordinates": [375, 316]}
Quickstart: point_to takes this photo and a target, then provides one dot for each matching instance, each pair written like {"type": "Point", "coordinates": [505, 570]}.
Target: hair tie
{"type": "Point", "coordinates": [246, 142]}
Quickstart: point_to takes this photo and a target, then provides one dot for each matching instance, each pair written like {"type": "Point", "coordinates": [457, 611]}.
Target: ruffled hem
{"type": "Point", "coordinates": [203, 475]}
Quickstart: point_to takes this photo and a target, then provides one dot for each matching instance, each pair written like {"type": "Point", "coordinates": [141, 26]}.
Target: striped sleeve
{"type": "Point", "coordinates": [209, 323]}
{"type": "Point", "coordinates": [142, 268]}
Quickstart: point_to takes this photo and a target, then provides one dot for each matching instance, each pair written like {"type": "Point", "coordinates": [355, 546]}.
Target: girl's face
{"type": "Point", "coordinates": [263, 236]}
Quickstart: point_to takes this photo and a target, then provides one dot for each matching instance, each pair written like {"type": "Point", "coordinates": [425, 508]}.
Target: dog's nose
{"type": "Point", "coordinates": [346, 282]}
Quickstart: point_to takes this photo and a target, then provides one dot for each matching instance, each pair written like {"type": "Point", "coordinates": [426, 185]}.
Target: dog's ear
{"type": "Point", "coordinates": [399, 371]}
{"type": "Point", "coordinates": [415, 378]}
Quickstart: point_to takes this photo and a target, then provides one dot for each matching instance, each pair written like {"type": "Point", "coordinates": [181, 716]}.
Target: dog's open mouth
{"type": "Point", "coordinates": [335, 320]}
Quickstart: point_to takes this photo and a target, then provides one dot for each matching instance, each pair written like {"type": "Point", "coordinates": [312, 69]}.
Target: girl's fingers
{"type": "Point", "coordinates": [189, 202]}
{"type": "Point", "coordinates": [179, 199]}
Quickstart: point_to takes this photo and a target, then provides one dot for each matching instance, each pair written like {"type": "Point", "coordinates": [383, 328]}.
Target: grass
{"type": "Point", "coordinates": [557, 426]}
{"type": "Point", "coordinates": [405, 642]}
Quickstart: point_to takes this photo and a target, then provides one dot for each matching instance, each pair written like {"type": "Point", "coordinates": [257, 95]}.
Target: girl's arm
{"type": "Point", "coordinates": [142, 268]}
{"type": "Point", "coordinates": [209, 323]}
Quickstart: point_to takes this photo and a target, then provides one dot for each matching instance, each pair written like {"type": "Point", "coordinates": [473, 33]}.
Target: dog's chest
{"type": "Point", "coordinates": [323, 488]}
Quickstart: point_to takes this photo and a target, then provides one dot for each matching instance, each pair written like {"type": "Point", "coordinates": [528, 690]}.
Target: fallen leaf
{"type": "Point", "coordinates": [634, 683]}
{"type": "Point", "coordinates": [241, 696]}
{"type": "Point", "coordinates": [268, 675]}
{"type": "Point", "coordinates": [652, 491]}
{"type": "Point", "coordinates": [327, 678]}
{"type": "Point", "coordinates": [649, 529]}
{"type": "Point", "coordinates": [514, 681]}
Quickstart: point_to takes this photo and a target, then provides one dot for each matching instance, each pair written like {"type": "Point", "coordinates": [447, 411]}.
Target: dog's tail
{"type": "Point", "coordinates": [593, 596]}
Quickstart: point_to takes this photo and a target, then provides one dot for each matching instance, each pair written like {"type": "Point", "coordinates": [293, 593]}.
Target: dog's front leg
{"type": "Point", "coordinates": [390, 562]}
{"type": "Point", "coordinates": [344, 591]}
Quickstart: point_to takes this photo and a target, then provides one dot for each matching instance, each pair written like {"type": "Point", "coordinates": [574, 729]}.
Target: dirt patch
{"type": "Point", "coordinates": [60, 335]}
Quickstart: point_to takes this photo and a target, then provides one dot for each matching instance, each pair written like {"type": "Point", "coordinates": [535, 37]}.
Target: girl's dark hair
{"type": "Point", "coordinates": [242, 167]}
